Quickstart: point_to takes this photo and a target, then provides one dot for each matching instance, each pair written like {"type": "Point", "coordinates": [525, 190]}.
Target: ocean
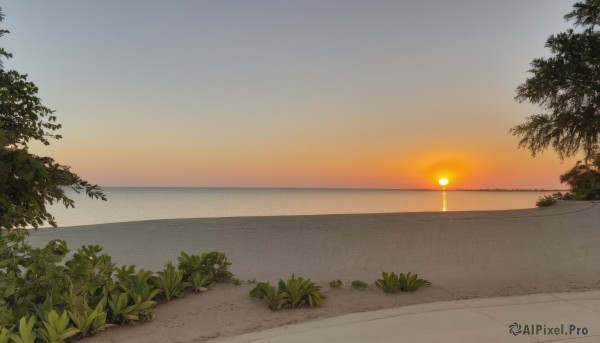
{"type": "Point", "coordinates": [132, 204]}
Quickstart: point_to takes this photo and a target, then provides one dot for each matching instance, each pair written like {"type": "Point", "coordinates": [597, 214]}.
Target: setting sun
{"type": "Point", "coordinates": [443, 182]}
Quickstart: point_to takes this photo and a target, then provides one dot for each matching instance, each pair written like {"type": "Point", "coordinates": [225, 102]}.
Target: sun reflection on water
{"type": "Point", "coordinates": [444, 201]}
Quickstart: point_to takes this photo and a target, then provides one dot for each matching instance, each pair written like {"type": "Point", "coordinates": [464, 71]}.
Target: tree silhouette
{"type": "Point", "coordinates": [567, 88]}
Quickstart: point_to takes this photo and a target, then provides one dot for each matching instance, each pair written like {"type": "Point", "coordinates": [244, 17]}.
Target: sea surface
{"type": "Point", "coordinates": [132, 204]}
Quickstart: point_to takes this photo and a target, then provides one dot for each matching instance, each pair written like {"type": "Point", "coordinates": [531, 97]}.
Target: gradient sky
{"type": "Point", "coordinates": [385, 94]}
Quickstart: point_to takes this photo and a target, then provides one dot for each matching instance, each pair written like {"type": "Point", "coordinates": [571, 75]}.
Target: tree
{"type": "Point", "coordinates": [583, 179]}
{"type": "Point", "coordinates": [29, 182]}
{"type": "Point", "coordinates": [567, 88]}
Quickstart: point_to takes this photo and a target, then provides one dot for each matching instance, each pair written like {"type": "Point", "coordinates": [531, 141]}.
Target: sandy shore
{"type": "Point", "coordinates": [464, 255]}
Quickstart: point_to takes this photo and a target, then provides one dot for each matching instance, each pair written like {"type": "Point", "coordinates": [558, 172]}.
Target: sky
{"type": "Point", "coordinates": [311, 93]}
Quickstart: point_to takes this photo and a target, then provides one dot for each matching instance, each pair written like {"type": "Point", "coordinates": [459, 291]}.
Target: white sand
{"type": "Point", "coordinates": [464, 255]}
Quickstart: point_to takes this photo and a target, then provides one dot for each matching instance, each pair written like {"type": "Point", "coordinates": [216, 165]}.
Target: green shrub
{"type": "Point", "coordinates": [123, 311]}
{"type": "Point", "coordinates": [392, 282]}
{"type": "Point", "coordinates": [170, 282]}
{"type": "Point", "coordinates": [336, 283]}
{"type": "Point", "coordinates": [199, 282]}
{"type": "Point", "coordinates": [56, 328]}
{"type": "Point", "coordinates": [89, 270]}
{"type": "Point", "coordinates": [84, 294]}
{"type": "Point", "coordinates": [26, 333]}
{"type": "Point", "coordinates": [545, 201]}
{"type": "Point", "coordinates": [274, 299]}
{"type": "Point", "coordinates": [4, 332]}
{"type": "Point", "coordinates": [213, 265]}
{"type": "Point", "coordinates": [293, 293]}
{"type": "Point", "coordinates": [90, 321]}
{"type": "Point", "coordinates": [139, 286]}
{"type": "Point", "coordinates": [389, 283]}
{"type": "Point", "coordinates": [360, 285]}
{"type": "Point", "coordinates": [411, 282]}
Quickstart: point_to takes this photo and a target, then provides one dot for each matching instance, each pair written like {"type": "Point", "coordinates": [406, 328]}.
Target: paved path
{"type": "Point", "coordinates": [461, 321]}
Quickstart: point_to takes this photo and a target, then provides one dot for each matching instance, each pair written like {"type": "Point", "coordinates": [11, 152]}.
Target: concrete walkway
{"type": "Point", "coordinates": [461, 321]}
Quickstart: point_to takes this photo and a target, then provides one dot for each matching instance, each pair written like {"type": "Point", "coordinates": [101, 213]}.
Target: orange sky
{"type": "Point", "coordinates": [295, 94]}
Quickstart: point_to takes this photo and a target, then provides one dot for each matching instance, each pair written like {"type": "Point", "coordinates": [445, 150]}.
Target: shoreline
{"type": "Point", "coordinates": [469, 254]}
{"type": "Point", "coordinates": [31, 229]}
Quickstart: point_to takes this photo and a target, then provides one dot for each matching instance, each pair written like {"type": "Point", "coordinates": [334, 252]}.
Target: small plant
{"type": "Point", "coordinates": [123, 312]}
{"type": "Point", "coordinates": [360, 285]}
{"type": "Point", "coordinates": [293, 293]}
{"type": "Point", "coordinates": [300, 292]}
{"type": "Point", "coordinates": [170, 282]}
{"type": "Point", "coordinates": [56, 328]}
{"type": "Point", "coordinates": [411, 282]}
{"type": "Point", "coordinates": [139, 286]}
{"type": "Point", "coordinates": [26, 332]}
{"type": "Point", "coordinates": [4, 332]}
{"type": "Point", "coordinates": [389, 283]}
{"type": "Point", "coordinates": [213, 265]}
{"type": "Point", "coordinates": [264, 291]}
{"type": "Point", "coordinates": [545, 201]}
{"type": "Point", "coordinates": [90, 321]}
{"type": "Point", "coordinates": [336, 283]}
{"type": "Point", "coordinates": [199, 282]}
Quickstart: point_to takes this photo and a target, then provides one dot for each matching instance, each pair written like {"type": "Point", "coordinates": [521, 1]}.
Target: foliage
{"type": "Point", "coordinates": [274, 299]}
{"type": "Point", "coordinates": [299, 292]}
{"type": "Point", "coordinates": [78, 296]}
{"type": "Point", "coordinates": [124, 311]}
{"type": "Point", "coordinates": [170, 282]}
{"type": "Point", "coordinates": [56, 328]}
{"type": "Point", "coordinates": [199, 282]}
{"type": "Point", "coordinates": [358, 284]}
{"type": "Point", "coordinates": [26, 333]}
{"type": "Point", "coordinates": [90, 321]}
{"type": "Point", "coordinates": [29, 182]}
{"type": "Point", "coordinates": [336, 283]}
{"type": "Point", "coordinates": [89, 270]}
{"type": "Point", "coordinates": [565, 86]}
{"type": "Point", "coordinates": [293, 293]}
{"type": "Point", "coordinates": [389, 283]}
{"type": "Point", "coordinates": [411, 282]}
{"type": "Point", "coordinates": [392, 282]}
{"type": "Point", "coordinates": [4, 332]}
{"type": "Point", "coordinates": [583, 179]}
{"type": "Point", "coordinates": [545, 201]}
{"type": "Point", "coordinates": [213, 265]}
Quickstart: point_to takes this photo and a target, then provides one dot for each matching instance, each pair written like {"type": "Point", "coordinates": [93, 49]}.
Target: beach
{"type": "Point", "coordinates": [464, 254]}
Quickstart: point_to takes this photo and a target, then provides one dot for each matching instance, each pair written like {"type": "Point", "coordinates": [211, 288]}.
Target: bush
{"type": "Point", "coordinates": [336, 283]}
{"type": "Point", "coordinates": [170, 282]}
{"type": "Point", "coordinates": [360, 285]}
{"type": "Point", "coordinates": [213, 265]}
{"type": "Point", "coordinates": [389, 283]}
{"type": "Point", "coordinates": [293, 293]}
{"type": "Point", "coordinates": [199, 282]}
{"type": "Point", "coordinates": [411, 282]}
{"type": "Point", "coordinates": [545, 201]}
{"type": "Point", "coordinates": [274, 299]}
{"type": "Point", "coordinates": [84, 294]}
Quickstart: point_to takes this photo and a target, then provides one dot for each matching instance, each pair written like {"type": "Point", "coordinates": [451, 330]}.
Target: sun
{"type": "Point", "coordinates": [443, 182]}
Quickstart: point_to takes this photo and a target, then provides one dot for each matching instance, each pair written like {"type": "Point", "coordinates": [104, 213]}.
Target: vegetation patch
{"type": "Point", "coordinates": [336, 283]}
{"type": "Point", "coordinates": [293, 293]}
{"type": "Point", "coordinates": [545, 201]}
{"type": "Point", "coordinates": [358, 284]}
{"type": "Point", "coordinates": [47, 298]}
{"type": "Point", "coordinates": [392, 282]}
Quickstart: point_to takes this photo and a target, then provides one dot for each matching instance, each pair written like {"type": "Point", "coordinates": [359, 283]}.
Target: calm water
{"type": "Point", "coordinates": [130, 204]}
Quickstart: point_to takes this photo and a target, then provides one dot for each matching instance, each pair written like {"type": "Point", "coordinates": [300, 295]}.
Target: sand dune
{"type": "Point", "coordinates": [464, 254]}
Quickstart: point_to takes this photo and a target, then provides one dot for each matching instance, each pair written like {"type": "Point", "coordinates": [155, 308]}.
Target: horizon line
{"type": "Point", "coordinates": [355, 188]}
